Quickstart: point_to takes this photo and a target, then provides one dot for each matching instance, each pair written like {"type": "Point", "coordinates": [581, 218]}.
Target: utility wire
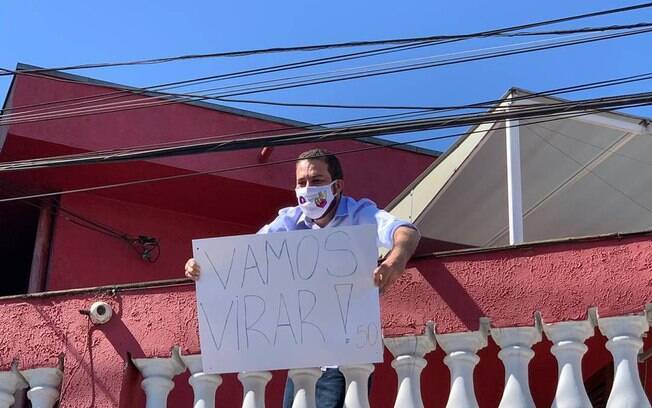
{"type": "Point", "coordinates": [239, 75]}
{"type": "Point", "coordinates": [330, 134]}
{"type": "Point", "coordinates": [129, 105]}
{"type": "Point", "coordinates": [273, 163]}
{"type": "Point", "coordinates": [552, 92]}
{"type": "Point", "coordinates": [272, 81]}
{"type": "Point", "coordinates": [490, 103]}
{"type": "Point", "coordinates": [147, 247]}
{"type": "Point", "coordinates": [342, 44]}
{"type": "Point", "coordinates": [211, 78]}
{"type": "Point", "coordinates": [419, 43]}
{"type": "Point", "coordinates": [375, 119]}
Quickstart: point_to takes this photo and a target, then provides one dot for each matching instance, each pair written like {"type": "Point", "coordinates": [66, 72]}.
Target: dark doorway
{"type": "Point", "coordinates": [18, 223]}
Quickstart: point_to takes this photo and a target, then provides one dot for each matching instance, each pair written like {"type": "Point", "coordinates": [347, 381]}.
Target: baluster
{"type": "Point", "coordinates": [305, 381]}
{"type": "Point", "coordinates": [357, 385]}
{"type": "Point", "coordinates": [43, 386]}
{"type": "Point", "coordinates": [203, 385]}
{"type": "Point", "coordinates": [516, 353]}
{"type": "Point", "coordinates": [624, 334]}
{"type": "Point", "coordinates": [461, 359]}
{"type": "Point", "coordinates": [408, 362]}
{"type": "Point", "coordinates": [157, 378]}
{"type": "Point", "coordinates": [253, 384]}
{"type": "Point", "coordinates": [568, 347]}
{"type": "Point", "coordinates": [10, 382]}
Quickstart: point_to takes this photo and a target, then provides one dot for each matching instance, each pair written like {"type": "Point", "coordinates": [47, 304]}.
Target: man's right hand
{"type": "Point", "coordinates": [192, 269]}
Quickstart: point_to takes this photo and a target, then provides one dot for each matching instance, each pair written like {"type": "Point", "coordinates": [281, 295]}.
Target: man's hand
{"type": "Point", "coordinates": [192, 269]}
{"type": "Point", "coordinates": [386, 273]}
{"type": "Point", "coordinates": [405, 243]}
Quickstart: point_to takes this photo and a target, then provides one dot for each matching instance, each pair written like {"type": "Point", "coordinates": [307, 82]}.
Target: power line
{"type": "Point", "coordinates": [210, 78]}
{"type": "Point", "coordinates": [258, 165]}
{"type": "Point", "coordinates": [213, 78]}
{"type": "Point", "coordinates": [421, 41]}
{"type": "Point", "coordinates": [137, 104]}
{"type": "Point", "coordinates": [372, 119]}
{"type": "Point", "coordinates": [147, 247]}
{"type": "Point", "coordinates": [341, 44]}
{"type": "Point", "coordinates": [330, 134]}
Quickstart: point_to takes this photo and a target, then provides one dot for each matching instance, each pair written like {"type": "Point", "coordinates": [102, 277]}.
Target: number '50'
{"type": "Point", "coordinates": [367, 335]}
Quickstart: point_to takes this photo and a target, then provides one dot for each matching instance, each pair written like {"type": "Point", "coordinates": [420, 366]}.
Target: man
{"type": "Point", "coordinates": [319, 191]}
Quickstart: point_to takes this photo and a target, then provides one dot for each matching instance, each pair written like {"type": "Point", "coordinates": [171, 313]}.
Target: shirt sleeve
{"type": "Point", "coordinates": [369, 213]}
{"type": "Point", "coordinates": [285, 221]}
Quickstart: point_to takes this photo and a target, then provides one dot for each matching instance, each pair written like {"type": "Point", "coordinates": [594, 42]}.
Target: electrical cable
{"type": "Point", "coordinates": [129, 105]}
{"type": "Point", "coordinates": [345, 44]}
{"type": "Point", "coordinates": [352, 132]}
{"type": "Point", "coordinates": [113, 151]}
{"type": "Point", "coordinates": [147, 247]}
{"type": "Point", "coordinates": [230, 76]}
{"type": "Point", "coordinates": [490, 103]}
{"type": "Point", "coordinates": [259, 165]}
{"type": "Point", "coordinates": [427, 40]}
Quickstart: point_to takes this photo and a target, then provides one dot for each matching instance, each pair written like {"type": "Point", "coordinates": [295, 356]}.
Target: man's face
{"type": "Point", "coordinates": [315, 173]}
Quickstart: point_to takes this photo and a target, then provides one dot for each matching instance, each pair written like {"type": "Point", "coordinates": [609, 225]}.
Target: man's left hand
{"type": "Point", "coordinates": [387, 272]}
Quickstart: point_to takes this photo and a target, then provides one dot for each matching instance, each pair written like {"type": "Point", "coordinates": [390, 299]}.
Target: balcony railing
{"type": "Point", "coordinates": [624, 335]}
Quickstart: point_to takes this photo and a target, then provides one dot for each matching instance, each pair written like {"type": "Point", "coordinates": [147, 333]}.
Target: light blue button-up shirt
{"type": "Point", "coordinates": [349, 212]}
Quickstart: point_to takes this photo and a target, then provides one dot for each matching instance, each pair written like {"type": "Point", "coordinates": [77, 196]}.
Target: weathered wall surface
{"type": "Point", "coordinates": [560, 280]}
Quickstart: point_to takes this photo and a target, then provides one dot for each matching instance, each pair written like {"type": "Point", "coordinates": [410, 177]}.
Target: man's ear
{"type": "Point", "coordinates": [338, 186]}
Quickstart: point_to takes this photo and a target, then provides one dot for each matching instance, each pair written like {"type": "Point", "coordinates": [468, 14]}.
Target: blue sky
{"type": "Point", "coordinates": [61, 33]}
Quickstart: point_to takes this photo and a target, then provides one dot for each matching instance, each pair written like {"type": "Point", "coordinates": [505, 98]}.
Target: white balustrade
{"type": "Point", "coordinates": [304, 381]}
{"type": "Point", "coordinates": [157, 378]}
{"type": "Point", "coordinates": [568, 347]}
{"type": "Point", "coordinates": [357, 385]}
{"type": "Point", "coordinates": [43, 386]}
{"type": "Point", "coordinates": [516, 352]}
{"type": "Point", "coordinates": [10, 382]}
{"type": "Point", "coordinates": [461, 359]}
{"type": "Point", "coordinates": [408, 362]}
{"type": "Point", "coordinates": [253, 384]}
{"type": "Point", "coordinates": [624, 334]}
{"type": "Point", "coordinates": [203, 385]}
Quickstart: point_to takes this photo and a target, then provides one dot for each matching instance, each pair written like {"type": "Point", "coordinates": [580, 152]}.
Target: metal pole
{"type": "Point", "coordinates": [514, 192]}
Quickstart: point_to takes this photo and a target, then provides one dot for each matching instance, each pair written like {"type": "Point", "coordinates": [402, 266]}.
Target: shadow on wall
{"type": "Point", "coordinates": [451, 292]}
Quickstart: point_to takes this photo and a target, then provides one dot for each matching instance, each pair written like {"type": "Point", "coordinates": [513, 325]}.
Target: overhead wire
{"type": "Point", "coordinates": [330, 134]}
{"type": "Point", "coordinates": [221, 77]}
{"type": "Point", "coordinates": [129, 105]}
{"type": "Point", "coordinates": [421, 41]}
{"type": "Point", "coordinates": [272, 163]}
{"type": "Point", "coordinates": [147, 247]}
{"type": "Point", "coordinates": [316, 47]}
{"type": "Point", "coordinates": [375, 119]}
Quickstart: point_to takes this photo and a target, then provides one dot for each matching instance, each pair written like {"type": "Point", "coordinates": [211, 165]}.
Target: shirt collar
{"type": "Point", "coordinates": [342, 211]}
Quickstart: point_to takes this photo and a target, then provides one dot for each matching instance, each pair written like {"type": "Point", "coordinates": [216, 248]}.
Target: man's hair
{"type": "Point", "coordinates": [334, 166]}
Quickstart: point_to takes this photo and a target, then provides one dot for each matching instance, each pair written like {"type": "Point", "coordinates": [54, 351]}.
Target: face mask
{"type": "Point", "coordinates": [314, 201]}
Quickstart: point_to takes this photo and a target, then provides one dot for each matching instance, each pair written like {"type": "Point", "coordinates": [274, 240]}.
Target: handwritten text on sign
{"type": "Point", "coordinates": [288, 300]}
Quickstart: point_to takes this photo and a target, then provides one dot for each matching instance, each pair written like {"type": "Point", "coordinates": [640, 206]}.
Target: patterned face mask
{"type": "Point", "coordinates": [315, 200]}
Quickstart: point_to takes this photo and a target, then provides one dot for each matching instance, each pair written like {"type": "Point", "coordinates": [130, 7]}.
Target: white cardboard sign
{"type": "Point", "coordinates": [288, 300]}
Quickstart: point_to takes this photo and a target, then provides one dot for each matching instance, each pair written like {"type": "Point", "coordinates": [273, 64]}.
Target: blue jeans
{"type": "Point", "coordinates": [329, 393]}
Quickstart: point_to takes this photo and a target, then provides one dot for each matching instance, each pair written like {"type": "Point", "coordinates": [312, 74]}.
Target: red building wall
{"type": "Point", "coordinates": [149, 321]}
{"type": "Point", "coordinates": [174, 211]}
